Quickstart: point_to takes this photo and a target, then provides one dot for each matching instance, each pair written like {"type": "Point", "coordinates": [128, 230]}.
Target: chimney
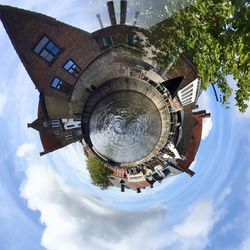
{"type": "Point", "coordinates": [111, 10]}
{"type": "Point", "coordinates": [189, 172]}
{"type": "Point", "coordinates": [100, 20]}
{"type": "Point", "coordinates": [207, 115]}
{"type": "Point", "coordinates": [202, 113]}
{"type": "Point", "coordinates": [138, 190]}
{"type": "Point", "coordinates": [122, 188]}
{"type": "Point", "coordinates": [123, 12]}
{"type": "Point", "coordinates": [136, 17]}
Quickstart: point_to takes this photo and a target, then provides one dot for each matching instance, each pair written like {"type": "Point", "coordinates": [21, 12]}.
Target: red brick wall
{"type": "Point", "coordinates": [25, 28]}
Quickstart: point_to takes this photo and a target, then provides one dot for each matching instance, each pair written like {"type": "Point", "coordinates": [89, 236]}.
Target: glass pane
{"type": "Point", "coordinates": [56, 83]}
{"type": "Point", "coordinates": [55, 50]}
{"type": "Point", "coordinates": [41, 44]}
{"type": "Point", "coordinates": [107, 41]}
{"type": "Point", "coordinates": [131, 39]}
{"type": "Point", "coordinates": [45, 54]}
{"type": "Point", "coordinates": [52, 48]}
{"type": "Point", "coordinates": [68, 64]}
{"type": "Point", "coordinates": [49, 57]}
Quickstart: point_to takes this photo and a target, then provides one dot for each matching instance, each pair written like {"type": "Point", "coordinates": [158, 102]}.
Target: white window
{"type": "Point", "coordinates": [188, 94]}
{"type": "Point", "coordinates": [71, 123]}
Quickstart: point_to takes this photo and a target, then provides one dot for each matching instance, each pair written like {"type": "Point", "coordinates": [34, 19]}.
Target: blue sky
{"type": "Point", "coordinates": [49, 203]}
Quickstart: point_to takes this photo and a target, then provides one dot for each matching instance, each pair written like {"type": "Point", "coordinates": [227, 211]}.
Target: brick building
{"type": "Point", "coordinates": [75, 70]}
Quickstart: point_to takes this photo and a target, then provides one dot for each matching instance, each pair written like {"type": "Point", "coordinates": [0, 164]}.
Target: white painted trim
{"type": "Point", "coordinates": [188, 94]}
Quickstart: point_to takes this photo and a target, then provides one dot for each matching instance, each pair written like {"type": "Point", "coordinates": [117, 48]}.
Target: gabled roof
{"type": "Point", "coordinates": [193, 144]}
{"type": "Point", "coordinates": [25, 28]}
{"type": "Point", "coordinates": [49, 143]}
{"type": "Point", "coordinates": [174, 85]}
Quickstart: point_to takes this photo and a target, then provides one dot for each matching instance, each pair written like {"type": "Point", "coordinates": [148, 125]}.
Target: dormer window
{"type": "Point", "coordinates": [60, 85]}
{"type": "Point", "coordinates": [72, 68]}
{"type": "Point", "coordinates": [132, 41]}
{"type": "Point", "coordinates": [47, 49]}
{"type": "Point", "coordinates": [107, 41]}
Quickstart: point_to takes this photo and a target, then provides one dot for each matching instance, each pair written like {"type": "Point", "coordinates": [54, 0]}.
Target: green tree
{"type": "Point", "coordinates": [99, 173]}
{"type": "Point", "coordinates": [216, 35]}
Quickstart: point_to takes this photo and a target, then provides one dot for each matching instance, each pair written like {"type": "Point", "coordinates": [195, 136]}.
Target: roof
{"type": "Point", "coordinates": [49, 143]}
{"type": "Point", "coordinates": [174, 85]}
{"type": "Point", "coordinates": [193, 145]}
{"type": "Point", "coordinates": [187, 126]}
{"type": "Point", "coordinates": [139, 184]}
{"type": "Point", "coordinates": [120, 172]}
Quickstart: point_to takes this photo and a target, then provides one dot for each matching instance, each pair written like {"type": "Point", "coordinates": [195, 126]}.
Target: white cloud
{"type": "Point", "coordinates": [245, 245]}
{"type": "Point", "coordinates": [197, 223]}
{"type": "Point", "coordinates": [206, 127]}
{"type": "Point", "coordinates": [25, 149]}
{"type": "Point", "coordinates": [240, 221]}
{"type": "Point", "coordinates": [204, 103]}
{"type": "Point", "coordinates": [194, 232]}
{"type": "Point", "coordinates": [74, 219]}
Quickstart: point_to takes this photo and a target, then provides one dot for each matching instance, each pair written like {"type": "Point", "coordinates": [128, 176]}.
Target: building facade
{"type": "Point", "coordinates": [77, 73]}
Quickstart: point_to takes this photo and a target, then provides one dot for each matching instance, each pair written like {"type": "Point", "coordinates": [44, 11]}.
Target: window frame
{"type": "Point", "coordinates": [45, 48]}
{"type": "Point", "coordinates": [76, 70]}
{"type": "Point", "coordinates": [61, 86]}
{"type": "Point", "coordinates": [104, 41]}
{"type": "Point", "coordinates": [69, 136]}
{"type": "Point", "coordinates": [55, 123]}
{"type": "Point", "coordinates": [132, 40]}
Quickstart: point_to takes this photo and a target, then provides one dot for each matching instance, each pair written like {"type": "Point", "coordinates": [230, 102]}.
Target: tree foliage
{"type": "Point", "coordinates": [99, 173]}
{"type": "Point", "coordinates": [216, 34]}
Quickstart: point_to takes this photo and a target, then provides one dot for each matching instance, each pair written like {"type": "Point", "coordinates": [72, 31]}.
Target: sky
{"type": "Point", "coordinates": [49, 202]}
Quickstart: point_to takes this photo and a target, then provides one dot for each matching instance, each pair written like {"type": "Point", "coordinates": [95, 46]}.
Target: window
{"type": "Point", "coordinates": [166, 172]}
{"type": "Point", "coordinates": [107, 41]}
{"type": "Point", "coordinates": [72, 68]}
{"type": "Point", "coordinates": [186, 96]}
{"type": "Point", "coordinates": [166, 95]}
{"type": "Point", "coordinates": [152, 83]}
{"type": "Point", "coordinates": [187, 88]}
{"type": "Point", "coordinates": [71, 123]}
{"type": "Point", "coordinates": [55, 123]}
{"type": "Point", "coordinates": [68, 136]}
{"type": "Point", "coordinates": [46, 49]}
{"type": "Point", "coordinates": [187, 101]}
{"type": "Point", "coordinates": [161, 88]}
{"type": "Point", "coordinates": [131, 39]}
{"type": "Point", "coordinates": [187, 92]}
{"type": "Point", "coordinates": [60, 85]}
